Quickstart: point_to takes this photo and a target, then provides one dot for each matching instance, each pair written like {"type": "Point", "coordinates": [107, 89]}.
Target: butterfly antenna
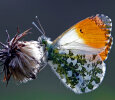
{"type": "Point", "coordinates": [40, 24]}
{"type": "Point", "coordinates": [37, 27]}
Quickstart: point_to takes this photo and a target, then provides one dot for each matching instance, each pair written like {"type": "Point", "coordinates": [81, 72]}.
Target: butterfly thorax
{"type": "Point", "coordinates": [46, 43]}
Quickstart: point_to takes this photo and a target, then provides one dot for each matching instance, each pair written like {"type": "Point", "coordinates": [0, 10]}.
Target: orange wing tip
{"type": "Point", "coordinates": [103, 21]}
{"type": "Point", "coordinates": [107, 22]}
{"type": "Point", "coordinates": [95, 31]}
{"type": "Point", "coordinates": [104, 54]}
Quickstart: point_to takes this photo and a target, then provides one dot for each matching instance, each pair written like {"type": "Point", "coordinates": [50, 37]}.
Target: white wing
{"type": "Point", "coordinates": [80, 73]}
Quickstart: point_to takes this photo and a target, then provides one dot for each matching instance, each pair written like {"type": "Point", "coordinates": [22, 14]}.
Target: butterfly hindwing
{"type": "Point", "coordinates": [80, 73]}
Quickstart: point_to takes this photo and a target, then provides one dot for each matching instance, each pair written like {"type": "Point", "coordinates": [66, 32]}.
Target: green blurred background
{"type": "Point", "coordinates": [56, 16]}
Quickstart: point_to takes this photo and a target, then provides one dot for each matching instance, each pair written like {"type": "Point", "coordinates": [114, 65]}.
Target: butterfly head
{"type": "Point", "coordinates": [43, 40]}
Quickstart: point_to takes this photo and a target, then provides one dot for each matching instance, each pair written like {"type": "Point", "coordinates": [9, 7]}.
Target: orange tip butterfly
{"type": "Point", "coordinates": [76, 57]}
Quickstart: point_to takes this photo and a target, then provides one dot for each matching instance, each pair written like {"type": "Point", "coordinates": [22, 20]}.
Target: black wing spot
{"type": "Point", "coordinates": [81, 31]}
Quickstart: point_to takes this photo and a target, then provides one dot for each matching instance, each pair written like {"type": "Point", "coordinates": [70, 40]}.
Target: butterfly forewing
{"type": "Point", "coordinates": [92, 34]}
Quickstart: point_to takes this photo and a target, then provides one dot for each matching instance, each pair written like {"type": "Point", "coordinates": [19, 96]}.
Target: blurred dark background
{"type": "Point", "coordinates": [56, 16]}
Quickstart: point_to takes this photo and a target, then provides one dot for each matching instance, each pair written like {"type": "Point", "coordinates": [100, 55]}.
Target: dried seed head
{"type": "Point", "coordinates": [21, 59]}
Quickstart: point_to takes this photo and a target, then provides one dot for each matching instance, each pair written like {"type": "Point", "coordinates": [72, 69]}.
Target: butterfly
{"type": "Point", "coordinates": [77, 56]}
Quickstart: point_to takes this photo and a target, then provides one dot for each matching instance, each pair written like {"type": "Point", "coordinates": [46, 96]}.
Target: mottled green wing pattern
{"type": "Point", "coordinates": [80, 73]}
